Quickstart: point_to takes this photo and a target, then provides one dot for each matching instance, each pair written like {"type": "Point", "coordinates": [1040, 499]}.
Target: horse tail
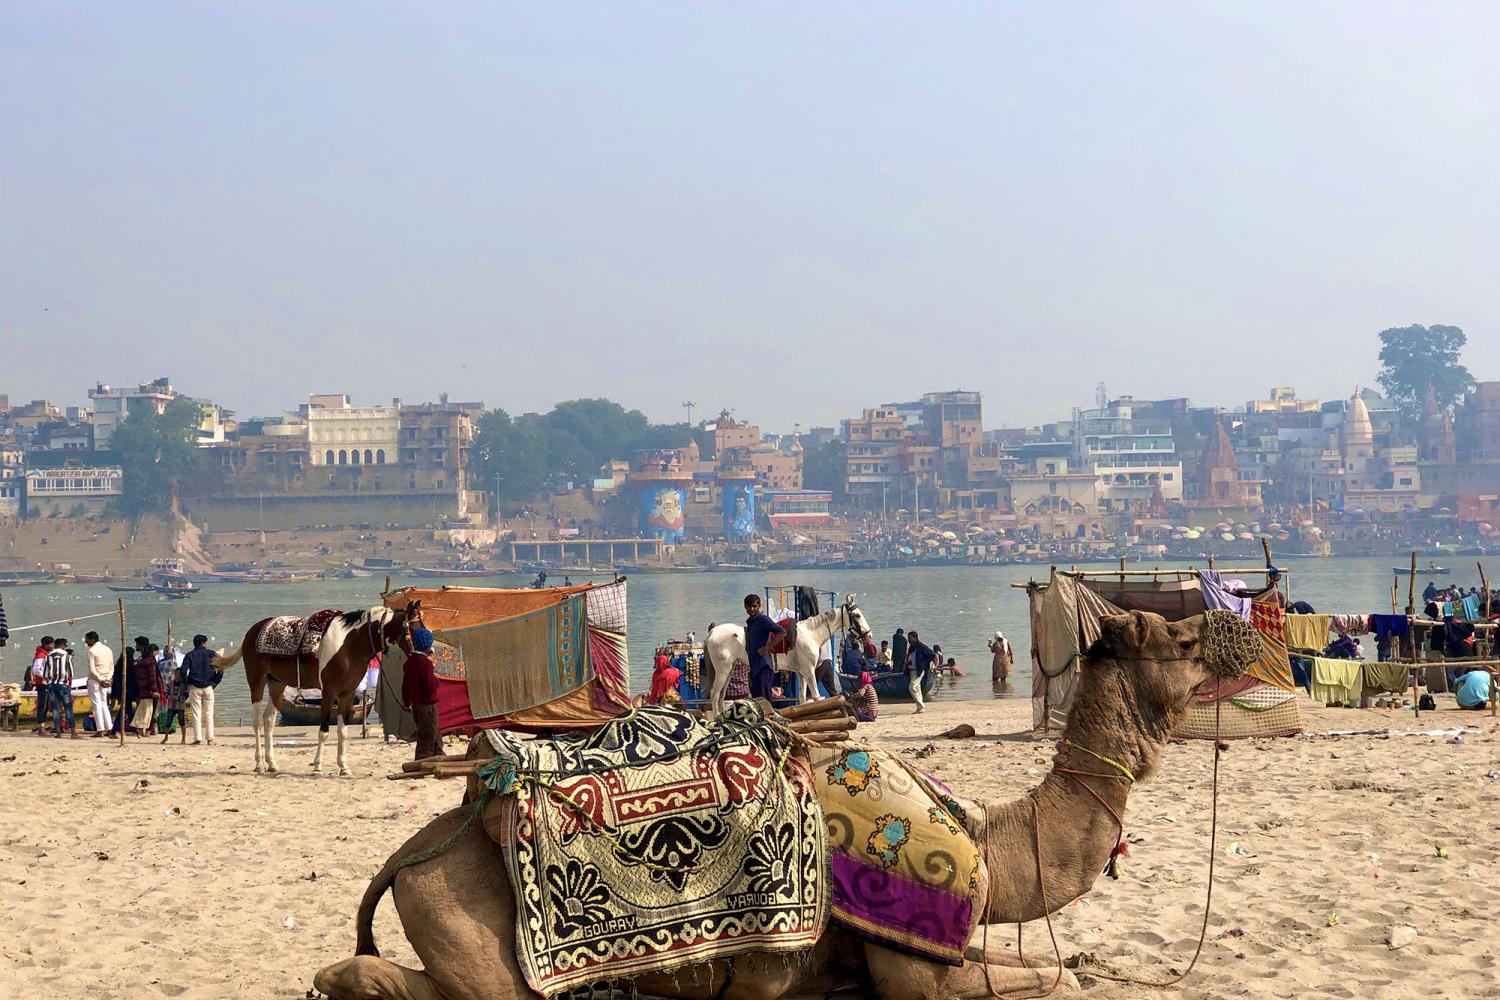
{"type": "Point", "coordinates": [233, 658]}
{"type": "Point", "coordinates": [708, 661]}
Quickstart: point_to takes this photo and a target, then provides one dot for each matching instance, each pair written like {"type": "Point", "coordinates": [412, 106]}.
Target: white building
{"type": "Point", "coordinates": [342, 434]}
{"type": "Point", "coordinates": [1132, 458]}
{"type": "Point", "coordinates": [112, 406]}
{"type": "Point", "coordinates": [65, 487]}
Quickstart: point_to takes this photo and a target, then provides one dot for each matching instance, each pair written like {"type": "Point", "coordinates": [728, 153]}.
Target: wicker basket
{"type": "Point", "coordinates": [1240, 717]}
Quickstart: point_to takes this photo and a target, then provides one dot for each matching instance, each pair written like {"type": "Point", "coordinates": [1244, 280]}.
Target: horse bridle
{"type": "Point", "coordinates": [862, 634]}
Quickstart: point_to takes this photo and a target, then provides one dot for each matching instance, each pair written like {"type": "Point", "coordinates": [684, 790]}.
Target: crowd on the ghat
{"type": "Point", "coordinates": [904, 655]}
{"type": "Point", "coordinates": [148, 690]}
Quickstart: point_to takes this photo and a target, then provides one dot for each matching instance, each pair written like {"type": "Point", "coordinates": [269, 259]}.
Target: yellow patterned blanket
{"type": "Point", "coordinates": [906, 865]}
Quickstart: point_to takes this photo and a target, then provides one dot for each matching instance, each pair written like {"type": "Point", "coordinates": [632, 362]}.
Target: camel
{"type": "Point", "coordinates": [459, 912]}
{"type": "Point", "coordinates": [343, 652]}
{"type": "Point", "coordinates": [725, 646]}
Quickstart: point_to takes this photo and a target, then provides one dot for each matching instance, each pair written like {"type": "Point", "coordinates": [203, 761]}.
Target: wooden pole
{"type": "Point", "coordinates": [1411, 586]}
{"type": "Point", "coordinates": [1484, 584]}
{"type": "Point", "coordinates": [124, 670]}
{"type": "Point", "coordinates": [1393, 595]}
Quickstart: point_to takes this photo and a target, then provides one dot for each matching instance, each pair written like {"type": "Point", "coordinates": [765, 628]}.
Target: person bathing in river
{"type": "Point", "coordinates": [759, 629]}
{"type": "Point", "coordinates": [1001, 660]}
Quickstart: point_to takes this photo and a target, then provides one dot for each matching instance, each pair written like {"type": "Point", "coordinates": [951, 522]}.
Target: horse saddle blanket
{"type": "Point", "coordinates": [656, 842]}
{"type": "Point", "coordinates": [906, 865]}
{"type": "Point", "coordinates": [780, 645]}
{"type": "Point", "coordinates": [287, 635]}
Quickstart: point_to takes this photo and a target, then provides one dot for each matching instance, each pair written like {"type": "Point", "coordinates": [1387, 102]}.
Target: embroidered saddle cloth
{"type": "Point", "coordinates": [287, 635]}
{"type": "Point", "coordinates": [906, 864]}
{"type": "Point", "coordinates": [656, 842]}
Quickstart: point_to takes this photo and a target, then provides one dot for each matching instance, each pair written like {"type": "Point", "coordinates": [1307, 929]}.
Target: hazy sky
{"type": "Point", "coordinates": [791, 210]}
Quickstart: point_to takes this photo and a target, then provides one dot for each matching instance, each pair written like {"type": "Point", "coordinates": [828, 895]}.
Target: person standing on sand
{"type": "Point", "coordinates": [201, 677]}
{"type": "Point", "coordinates": [1002, 658]}
{"type": "Point", "coordinates": [101, 665]}
{"type": "Point", "coordinates": [419, 694]}
{"type": "Point", "coordinates": [898, 650]}
{"type": "Point", "coordinates": [918, 662]}
{"type": "Point", "coordinates": [57, 674]}
{"type": "Point", "coordinates": [34, 678]}
{"type": "Point", "coordinates": [147, 690]}
{"type": "Point", "coordinates": [758, 631]}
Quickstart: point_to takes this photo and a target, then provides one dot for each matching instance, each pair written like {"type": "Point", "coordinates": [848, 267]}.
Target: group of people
{"type": "Point", "coordinates": [151, 688]}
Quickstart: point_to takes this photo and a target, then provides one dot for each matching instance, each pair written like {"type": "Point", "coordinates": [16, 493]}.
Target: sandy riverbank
{"type": "Point", "coordinates": [212, 882]}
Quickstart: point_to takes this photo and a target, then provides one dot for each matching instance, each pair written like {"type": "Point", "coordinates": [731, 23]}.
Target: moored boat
{"type": "Point", "coordinates": [892, 685]}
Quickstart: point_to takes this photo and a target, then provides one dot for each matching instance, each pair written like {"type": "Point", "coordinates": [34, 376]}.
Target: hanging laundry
{"type": "Point", "coordinates": [1335, 682]}
{"type": "Point", "coordinates": [1307, 631]}
{"type": "Point", "coordinates": [1385, 678]}
{"type": "Point", "coordinates": [1350, 624]}
{"type": "Point", "coordinates": [1211, 585]}
{"type": "Point", "coordinates": [1385, 626]}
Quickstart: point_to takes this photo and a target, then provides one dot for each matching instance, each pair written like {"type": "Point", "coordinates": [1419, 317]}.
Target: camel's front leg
{"type": "Point", "coordinates": [901, 977]}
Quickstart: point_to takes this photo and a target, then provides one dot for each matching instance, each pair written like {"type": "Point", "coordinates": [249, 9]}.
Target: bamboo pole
{"type": "Point", "coordinates": [1393, 595]}
{"type": "Point", "coordinates": [1411, 586]}
{"type": "Point", "coordinates": [1484, 584]}
{"type": "Point", "coordinates": [124, 670]}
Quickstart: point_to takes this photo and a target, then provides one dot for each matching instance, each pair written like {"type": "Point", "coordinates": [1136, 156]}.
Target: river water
{"type": "Point", "coordinates": [957, 607]}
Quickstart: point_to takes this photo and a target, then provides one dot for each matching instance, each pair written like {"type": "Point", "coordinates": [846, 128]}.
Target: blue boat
{"type": "Point", "coordinates": [892, 686]}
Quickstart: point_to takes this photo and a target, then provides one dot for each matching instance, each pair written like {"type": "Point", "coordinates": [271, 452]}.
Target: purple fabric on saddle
{"type": "Point", "coordinates": [1216, 597]}
{"type": "Point", "coordinates": [895, 910]}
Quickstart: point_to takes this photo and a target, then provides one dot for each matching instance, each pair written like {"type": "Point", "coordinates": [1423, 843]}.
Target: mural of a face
{"type": "Point", "coordinates": [739, 521]}
{"type": "Point", "coordinates": [666, 511]}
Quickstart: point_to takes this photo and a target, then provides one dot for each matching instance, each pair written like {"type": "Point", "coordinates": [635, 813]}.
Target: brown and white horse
{"type": "Point", "coordinates": [344, 651]}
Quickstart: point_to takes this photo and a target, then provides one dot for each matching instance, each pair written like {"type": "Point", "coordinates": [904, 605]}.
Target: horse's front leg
{"type": "Point", "coordinates": [255, 728]}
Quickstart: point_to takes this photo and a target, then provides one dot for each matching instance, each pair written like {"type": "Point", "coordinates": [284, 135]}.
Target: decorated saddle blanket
{"type": "Point", "coordinates": [906, 864]}
{"type": "Point", "coordinates": [287, 635]}
{"type": "Point", "coordinates": [655, 842]}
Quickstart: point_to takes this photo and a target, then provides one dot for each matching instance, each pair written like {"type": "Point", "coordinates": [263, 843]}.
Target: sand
{"type": "Point", "coordinates": [209, 881]}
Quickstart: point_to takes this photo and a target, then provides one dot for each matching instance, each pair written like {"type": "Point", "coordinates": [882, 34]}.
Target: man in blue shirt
{"type": "Point", "coordinates": [1473, 690]}
{"type": "Point", "coordinates": [201, 677]}
{"type": "Point", "coordinates": [919, 661]}
{"type": "Point", "coordinates": [758, 631]}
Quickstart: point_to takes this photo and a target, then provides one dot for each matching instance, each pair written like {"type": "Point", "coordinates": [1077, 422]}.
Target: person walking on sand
{"type": "Point", "coordinates": [57, 674]}
{"type": "Point", "coordinates": [918, 662]}
{"type": "Point", "coordinates": [101, 668]}
{"type": "Point", "coordinates": [201, 677]}
{"type": "Point", "coordinates": [419, 693]}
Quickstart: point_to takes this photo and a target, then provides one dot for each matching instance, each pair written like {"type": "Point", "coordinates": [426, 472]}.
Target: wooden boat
{"type": "Point", "coordinates": [892, 685]}
{"type": "Point", "coordinates": [145, 588]}
{"type": "Point", "coordinates": [1431, 569]}
{"type": "Point", "coordinates": [306, 710]}
{"type": "Point", "coordinates": [440, 571]}
{"type": "Point", "coordinates": [83, 707]}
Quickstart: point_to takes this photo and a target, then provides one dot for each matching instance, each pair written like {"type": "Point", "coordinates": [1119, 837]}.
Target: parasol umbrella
{"type": "Point", "coordinates": [1246, 536]}
{"type": "Point", "coordinates": [1228, 536]}
{"type": "Point", "coordinates": [951, 536]}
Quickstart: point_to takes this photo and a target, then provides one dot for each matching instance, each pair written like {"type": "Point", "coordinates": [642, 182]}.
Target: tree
{"type": "Point", "coordinates": [157, 451]}
{"type": "Point", "coordinates": [532, 453]}
{"type": "Point", "coordinates": [1416, 358]}
{"type": "Point", "coordinates": [827, 468]}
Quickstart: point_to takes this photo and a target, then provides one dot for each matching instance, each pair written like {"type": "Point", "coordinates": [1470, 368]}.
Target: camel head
{"type": "Point", "coordinates": [1141, 672]}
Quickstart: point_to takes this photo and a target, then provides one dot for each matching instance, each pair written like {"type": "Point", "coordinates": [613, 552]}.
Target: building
{"type": "Point", "coordinates": [1219, 483]}
{"type": "Point", "coordinates": [348, 435]}
{"type": "Point", "coordinates": [111, 407]}
{"type": "Point", "coordinates": [924, 453]}
{"type": "Point", "coordinates": [435, 439]}
{"type": "Point", "coordinates": [1132, 457]}
{"type": "Point", "coordinates": [65, 484]}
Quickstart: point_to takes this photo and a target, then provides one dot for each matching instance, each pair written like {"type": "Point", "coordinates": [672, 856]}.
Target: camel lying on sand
{"type": "Point", "coordinates": [458, 911]}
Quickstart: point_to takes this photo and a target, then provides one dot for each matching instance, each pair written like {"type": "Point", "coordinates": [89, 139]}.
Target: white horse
{"type": "Point", "coordinates": [725, 646]}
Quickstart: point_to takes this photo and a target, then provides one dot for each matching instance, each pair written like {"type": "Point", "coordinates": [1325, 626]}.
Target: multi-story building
{"type": "Point", "coordinates": [920, 454]}
{"type": "Point", "coordinates": [1133, 458]}
{"type": "Point", "coordinates": [62, 482]}
{"type": "Point", "coordinates": [111, 407]}
{"type": "Point", "coordinates": [435, 439]}
{"type": "Point", "coordinates": [348, 435]}
{"type": "Point", "coordinates": [872, 448]}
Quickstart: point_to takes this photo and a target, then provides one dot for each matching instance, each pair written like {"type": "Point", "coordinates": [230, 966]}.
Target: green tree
{"type": "Point", "coordinates": [1414, 358]}
{"type": "Point", "coordinates": [157, 451]}
{"type": "Point", "coordinates": [509, 457]}
{"type": "Point", "coordinates": [827, 467]}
